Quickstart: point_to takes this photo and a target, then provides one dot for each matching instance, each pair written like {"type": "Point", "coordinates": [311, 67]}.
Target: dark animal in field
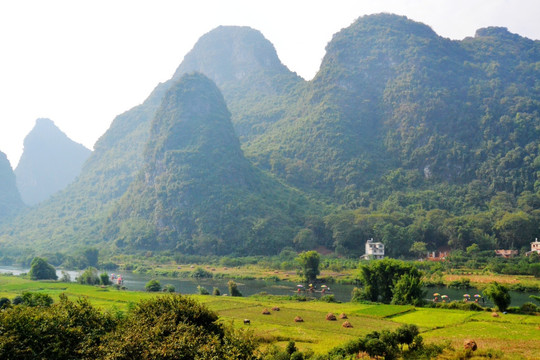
{"type": "Point", "coordinates": [247, 322]}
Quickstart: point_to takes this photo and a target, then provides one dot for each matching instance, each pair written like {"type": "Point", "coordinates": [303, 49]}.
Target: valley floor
{"type": "Point", "coordinates": [514, 335]}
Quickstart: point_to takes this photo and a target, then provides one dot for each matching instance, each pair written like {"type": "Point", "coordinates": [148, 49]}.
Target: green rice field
{"type": "Point", "coordinates": [517, 336]}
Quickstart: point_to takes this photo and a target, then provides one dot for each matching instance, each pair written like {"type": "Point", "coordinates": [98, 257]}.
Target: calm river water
{"type": "Point", "coordinates": [251, 287]}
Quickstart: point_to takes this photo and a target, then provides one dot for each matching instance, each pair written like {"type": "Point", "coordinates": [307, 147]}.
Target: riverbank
{"type": "Point", "coordinates": [515, 335]}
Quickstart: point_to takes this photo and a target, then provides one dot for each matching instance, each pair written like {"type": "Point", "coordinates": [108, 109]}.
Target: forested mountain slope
{"type": "Point", "coordinates": [77, 213]}
{"type": "Point", "coordinates": [50, 161]}
{"type": "Point", "coordinates": [196, 192]}
{"type": "Point", "coordinates": [258, 88]}
{"type": "Point", "coordinates": [10, 199]}
{"type": "Point", "coordinates": [407, 136]}
{"type": "Point", "coordinates": [391, 95]}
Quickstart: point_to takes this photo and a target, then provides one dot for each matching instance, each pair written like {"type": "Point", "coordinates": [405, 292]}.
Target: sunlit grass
{"type": "Point", "coordinates": [434, 318]}
{"type": "Point", "coordinates": [516, 335]}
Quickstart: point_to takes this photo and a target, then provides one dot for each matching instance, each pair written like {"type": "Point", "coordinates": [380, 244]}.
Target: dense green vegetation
{"type": "Point", "coordinates": [108, 323]}
{"type": "Point", "coordinates": [196, 192]}
{"type": "Point", "coordinates": [407, 137]}
{"type": "Point", "coordinates": [171, 327]}
{"type": "Point", "coordinates": [40, 269]}
{"type": "Point", "coordinates": [309, 265]}
{"type": "Point", "coordinates": [391, 281]}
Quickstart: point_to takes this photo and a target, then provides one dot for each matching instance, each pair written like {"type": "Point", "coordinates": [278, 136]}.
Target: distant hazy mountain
{"type": "Point", "coordinates": [196, 192]}
{"type": "Point", "coordinates": [10, 200]}
{"type": "Point", "coordinates": [50, 161]}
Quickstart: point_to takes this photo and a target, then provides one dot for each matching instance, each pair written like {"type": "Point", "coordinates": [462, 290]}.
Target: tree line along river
{"type": "Point", "coordinates": [341, 292]}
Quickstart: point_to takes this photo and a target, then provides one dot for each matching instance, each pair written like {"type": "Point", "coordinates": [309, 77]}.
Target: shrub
{"type": "Point", "coordinates": [153, 286]}
{"type": "Point", "coordinates": [35, 299]}
{"type": "Point", "coordinates": [463, 283]}
{"type": "Point", "coordinates": [4, 303]}
{"type": "Point", "coordinates": [65, 277]}
{"type": "Point", "coordinates": [200, 273]}
{"type": "Point", "coordinates": [176, 327]}
{"type": "Point", "coordinates": [67, 330]}
{"type": "Point", "coordinates": [291, 348]}
{"type": "Point", "coordinates": [104, 279]}
{"type": "Point", "coordinates": [233, 289]}
{"type": "Point", "coordinates": [528, 308]}
{"type": "Point", "coordinates": [89, 277]}
{"type": "Point", "coordinates": [358, 295]}
{"type": "Point", "coordinates": [328, 298]}
{"type": "Point", "coordinates": [216, 292]}
{"type": "Point", "coordinates": [202, 290]}
{"type": "Point", "coordinates": [169, 288]}
{"type": "Point", "coordinates": [499, 294]}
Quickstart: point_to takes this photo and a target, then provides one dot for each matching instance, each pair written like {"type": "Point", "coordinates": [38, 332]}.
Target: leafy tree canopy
{"type": "Point", "coordinates": [40, 269]}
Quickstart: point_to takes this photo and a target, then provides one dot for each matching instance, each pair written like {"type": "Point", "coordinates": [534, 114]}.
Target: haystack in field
{"type": "Point", "coordinates": [494, 314]}
{"type": "Point", "coordinates": [347, 324]}
{"type": "Point", "coordinates": [298, 319]}
{"type": "Point", "coordinates": [470, 345]}
{"type": "Point", "coordinates": [343, 316]}
{"type": "Point", "coordinates": [266, 312]}
{"type": "Point", "coordinates": [275, 308]}
{"type": "Point", "coordinates": [331, 317]}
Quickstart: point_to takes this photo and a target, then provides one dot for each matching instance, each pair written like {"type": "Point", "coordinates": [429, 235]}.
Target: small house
{"type": "Point", "coordinates": [535, 248]}
{"type": "Point", "coordinates": [437, 255]}
{"type": "Point", "coordinates": [374, 250]}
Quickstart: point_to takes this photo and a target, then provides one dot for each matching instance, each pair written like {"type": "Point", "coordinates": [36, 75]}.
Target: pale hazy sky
{"type": "Point", "coordinates": [81, 63]}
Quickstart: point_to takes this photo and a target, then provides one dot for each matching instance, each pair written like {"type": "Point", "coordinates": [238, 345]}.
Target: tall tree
{"type": "Point", "coordinates": [499, 294]}
{"type": "Point", "coordinates": [40, 269]}
{"type": "Point", "coordinates": [309, 265]}
{"type": "Point", "coordinates": [380, 278]}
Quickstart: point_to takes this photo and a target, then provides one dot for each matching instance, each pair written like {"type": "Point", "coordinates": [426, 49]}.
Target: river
{"type": "Point", "coordinates": [341, 292]}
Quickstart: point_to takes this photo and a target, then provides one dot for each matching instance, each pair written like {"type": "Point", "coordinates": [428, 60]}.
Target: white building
{"type": "Point", "coordinates": [374, 250]}
{"type": "Point", "coordinates": [535, 247]}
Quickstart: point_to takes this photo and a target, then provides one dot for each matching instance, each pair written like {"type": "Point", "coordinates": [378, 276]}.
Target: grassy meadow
{"type": "Point", "coordinates": [515, 335]}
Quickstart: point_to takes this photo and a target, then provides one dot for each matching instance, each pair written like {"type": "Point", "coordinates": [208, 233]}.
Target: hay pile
{"type": "Point", "coordinates": [494, 314]}
{"type": "Point", "coordinates": [266, 312]}
{"type": "Point", "coordinates": [298, 319]}
{"type": "Point", "coordinates": [347, 324]}
{"type": "Point", "coordinates": [343, 316]}
{"type": "Point", "coordinates": [331, 317]}
{"type": "Point", "coordinates": [470, 345]}
{"type": "Point", "coordinates": [275, 308]}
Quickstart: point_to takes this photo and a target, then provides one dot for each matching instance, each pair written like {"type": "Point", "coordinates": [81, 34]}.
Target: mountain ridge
{"type": "Point", "coordinates": [50, 161]}
{"type": "Point", "coordinates": [194, 177]}
{"type": "Point", "coordinates": [405, 135]}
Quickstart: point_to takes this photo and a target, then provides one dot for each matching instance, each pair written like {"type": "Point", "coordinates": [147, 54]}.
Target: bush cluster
{"type": "Point", "coordinates": [167, 327]}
